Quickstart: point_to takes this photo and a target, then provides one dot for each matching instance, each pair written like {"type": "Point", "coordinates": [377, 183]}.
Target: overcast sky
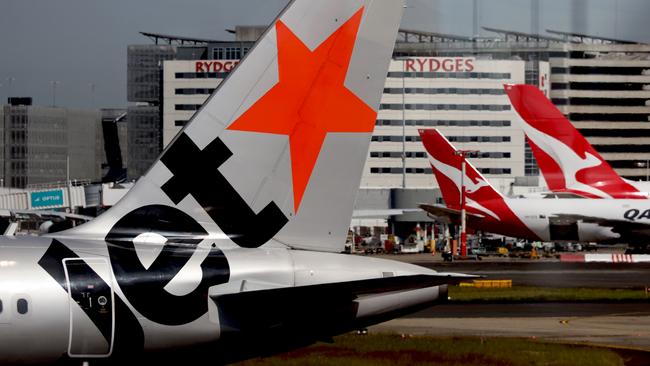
{"type": "Point", "coordinates": [81, 44]}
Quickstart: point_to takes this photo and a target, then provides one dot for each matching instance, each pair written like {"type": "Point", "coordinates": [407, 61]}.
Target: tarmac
{"type": "Point", "coordinates": [628, 332]}
{"type": "Point", "coordinates": [541, 272]}
{"type": "Point", "coordinates": [535, 310]}
{"type": "Point", "coordinates": [619, 325]}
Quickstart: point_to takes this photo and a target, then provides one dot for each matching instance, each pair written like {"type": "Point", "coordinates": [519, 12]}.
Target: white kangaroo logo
{"type": "Point", "coordinates": [569, 161]}
{"type": "Point", "coordinates": [454, 175]}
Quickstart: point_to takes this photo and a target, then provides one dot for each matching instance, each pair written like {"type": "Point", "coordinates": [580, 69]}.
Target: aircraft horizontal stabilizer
{"type": "Point", "coordinates": [447, 214]}
{"type": "Point", "coordinates": [345, 290]}
{"type": "Point", "coordinates": [322, 305]}
{"type": "Point", "coordinates": [273, 318]}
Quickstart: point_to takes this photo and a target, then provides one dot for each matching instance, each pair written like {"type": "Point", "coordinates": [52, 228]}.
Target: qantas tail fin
{"type": "Point", "coordinates": [482, 201]}
{"type": "Point", "coordinates": [567, 160]}
{"type": "Point", "coordinates": [276, 154]}
{"type": "Point", "coordinates": [446, 164]}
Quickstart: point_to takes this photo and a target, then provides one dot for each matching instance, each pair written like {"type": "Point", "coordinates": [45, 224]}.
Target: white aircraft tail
{"type": "Point", "coordinates": [276, 153]}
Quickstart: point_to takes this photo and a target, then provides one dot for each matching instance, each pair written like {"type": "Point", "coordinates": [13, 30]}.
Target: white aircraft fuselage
{"type": "Point", "coordinates": [229, 239]}
{"type": "Point", "coordinates": [545, 219]}
{"type": "Point", "coordinates": [97, 319]}
{"type": "Point", "coordinates": [584, 220]}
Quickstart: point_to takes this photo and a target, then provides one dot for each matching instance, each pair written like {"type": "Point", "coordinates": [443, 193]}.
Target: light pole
{"type": "Point", "coordinates": [54, 84]}
{"type": "Point", "coordinates": [10, 81]}
{"type": "Point", "coordinates": [463, 215]}
{"type": "Point", "coordinates": [403, 123]}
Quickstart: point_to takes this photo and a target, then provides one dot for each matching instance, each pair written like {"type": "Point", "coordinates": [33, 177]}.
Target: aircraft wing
{"type": "Point", "coordinates": [447, 215]}
{"type": "Point", "coordinates": [630, 231]}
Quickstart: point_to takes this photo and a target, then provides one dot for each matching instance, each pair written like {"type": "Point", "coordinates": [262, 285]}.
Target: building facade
{"type": "Point", "coordinates": [186, 86]}
{"type": "Point", "coordinates": [47, 144]}
{"type": "Point", "coordinates": [603, 87]}
{"type": "Point", "coordinates": [144, 80]}
{"type": "Point", "coordinates": [463, 97]}
{"type": "Point", "coordinates": [145, 87]}
{"type": "Point", "coordinates": [600, 84]}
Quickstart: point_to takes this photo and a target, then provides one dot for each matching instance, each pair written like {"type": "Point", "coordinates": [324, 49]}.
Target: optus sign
{"type": "Point", "coordinates": [51, 198]}
{"type": "Point", "coordinates": [439, 64]}
{"type": "Point", "coordinates": [215, 66]}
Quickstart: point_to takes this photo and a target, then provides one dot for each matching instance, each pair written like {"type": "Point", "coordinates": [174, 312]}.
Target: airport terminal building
{"type": "Point", "coordinates": [42, 145]}
{"type": "Point", "coordinates": [449, 82]}
{"type": "Point", "coordinates": [145, 87]}
{"type": "Point", "coordinates": [185, 86]}
{"type": "Point", "coordinates": [603, 87]}
{"type": "Point", "coordinates": [601, 84]}
{"type": "Point", "coordinates": [463, 97]}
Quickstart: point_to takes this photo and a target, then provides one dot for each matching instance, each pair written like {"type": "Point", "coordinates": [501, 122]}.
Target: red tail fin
{"type": "Point", "coordinates": [481, 198]}
{"type": "Point", "coordinates": [567, 160]}
{"type": "Point", "coordinates": [446, 164]}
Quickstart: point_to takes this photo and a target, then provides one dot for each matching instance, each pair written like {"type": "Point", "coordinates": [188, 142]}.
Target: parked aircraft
{"type": "Point", "coordinates": [537, 219]}
{"type": "Point", "coordinates": [566, 159]}
{"type": "Point", "coordinates": [230, 240]}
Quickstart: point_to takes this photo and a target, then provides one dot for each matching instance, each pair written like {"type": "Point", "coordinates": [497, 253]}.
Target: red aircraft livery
{"type": "Point", "coordinates": [489, 208]}
{"type": "Point", "coordinates": [567, 160]}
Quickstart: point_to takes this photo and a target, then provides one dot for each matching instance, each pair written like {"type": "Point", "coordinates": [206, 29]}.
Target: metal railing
{"type": "Point", "coordinates": [59, 184]}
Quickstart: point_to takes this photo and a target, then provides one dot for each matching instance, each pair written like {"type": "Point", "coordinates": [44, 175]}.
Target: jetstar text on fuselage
{"type": "Point", "coordinates": [215, 66]}
{"type": "Point", "coordinates": [439, 64]}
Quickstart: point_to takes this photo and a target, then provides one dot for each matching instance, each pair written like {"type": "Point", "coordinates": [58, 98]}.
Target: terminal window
{"type": "Point", "coordinates": [226, 53]}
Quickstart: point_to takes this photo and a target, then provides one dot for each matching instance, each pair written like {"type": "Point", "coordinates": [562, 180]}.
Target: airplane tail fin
{"type": "Point", "coordinates": [482, 201]}
{"type": "Point", "coordinates": [446, 165]}
{"type": "Point", "coordinates": [567, 160]}
{"type": "Point", "coordinates": [276, 153]}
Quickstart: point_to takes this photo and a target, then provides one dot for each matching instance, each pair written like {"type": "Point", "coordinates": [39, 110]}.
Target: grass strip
{"type": "Point", "coordinates": [396, 350]}
{"type": "Point", "coordinates": [544, 294]}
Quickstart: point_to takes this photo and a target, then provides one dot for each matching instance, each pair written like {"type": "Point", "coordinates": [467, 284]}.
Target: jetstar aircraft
{"type": "Point", "coordinates": [567, 160]}
{"type": "Point", "coordinates": [558, 219]}
{"type": "Point", "coordinates": [231, 238]}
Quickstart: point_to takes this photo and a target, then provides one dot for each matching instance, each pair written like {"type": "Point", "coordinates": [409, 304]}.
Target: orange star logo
{"type": "Point", "coordinates": [310, 100]}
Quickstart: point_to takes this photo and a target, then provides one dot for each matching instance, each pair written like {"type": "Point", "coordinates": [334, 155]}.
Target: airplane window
{"type": "Point", "coordinates": [22, 306]}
